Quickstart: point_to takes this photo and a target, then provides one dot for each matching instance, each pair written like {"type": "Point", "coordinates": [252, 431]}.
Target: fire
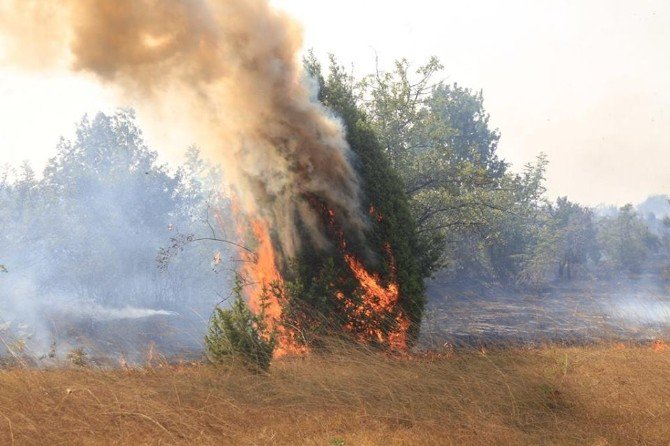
{"type": "Point", "coordinates": [659, 345]}
{"type": "Point", "coordinates": [266, 286]}
{"type": "Point", "coordinates": [378, 307]}
{"type": "Point", "coordinates": [372, 313]}
{"type": "Point", "coordinates": [376, 314]}
{"type": "Point", "coordinates": [261, 267]}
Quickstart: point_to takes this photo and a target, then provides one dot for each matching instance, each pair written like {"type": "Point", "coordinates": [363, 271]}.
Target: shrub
{"type": "Point", "coordinates": [235, 334]}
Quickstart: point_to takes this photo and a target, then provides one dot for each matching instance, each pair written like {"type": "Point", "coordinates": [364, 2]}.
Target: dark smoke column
{"type": "Point", "coordinates": [226, 71]}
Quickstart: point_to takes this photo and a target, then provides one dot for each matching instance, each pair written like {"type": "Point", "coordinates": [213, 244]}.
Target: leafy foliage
{"type": "Point", "coordinates": [392, 222]}
{"type": "Point", "coordinates": [476, 219]}
{"type": "Point", "coordinates": [235, 334]}
{"type": "Point", "coordinates": [625, 241]}
{"type": "Point", "coordinates": [564, 241]}
{"type": "Point", "coordinates": [437, 137]}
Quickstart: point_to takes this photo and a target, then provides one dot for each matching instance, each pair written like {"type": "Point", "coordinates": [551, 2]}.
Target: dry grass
{"type": "Point", "coordinates": [597, 395]}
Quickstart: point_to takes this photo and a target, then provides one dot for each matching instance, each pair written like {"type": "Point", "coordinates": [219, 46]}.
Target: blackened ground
{"type": "Point", "coordinates": [630, 309]}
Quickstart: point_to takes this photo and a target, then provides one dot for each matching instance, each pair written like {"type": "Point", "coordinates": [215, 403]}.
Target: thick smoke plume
{"type": "Point", "coordinates": [229, 71]}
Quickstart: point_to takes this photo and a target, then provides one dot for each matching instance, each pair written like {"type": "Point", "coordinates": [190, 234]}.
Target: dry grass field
{"type": "Point", "coordinates": [600, 395]}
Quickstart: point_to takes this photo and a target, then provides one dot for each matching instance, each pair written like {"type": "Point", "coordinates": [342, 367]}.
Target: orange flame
{"type": "Point", "coordinates": [377, 316]}
{"type": "Point", "coordinates": [378, 304]}
{"type": "Point", "coordinates": [659, 346]}
{"type": "Point", "coordinates": [373, 315]}
{"type": "Point", "coordinates": [265, 288]}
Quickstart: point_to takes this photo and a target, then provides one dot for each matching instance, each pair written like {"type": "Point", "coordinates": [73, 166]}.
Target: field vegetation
{"type": "Point", "coordinates": [598, 395]}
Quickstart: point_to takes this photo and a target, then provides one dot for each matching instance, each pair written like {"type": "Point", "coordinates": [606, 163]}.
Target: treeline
{"type": "Point", "coordinates": [478, 220]}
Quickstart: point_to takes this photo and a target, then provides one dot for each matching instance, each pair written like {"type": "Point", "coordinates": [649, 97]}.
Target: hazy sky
{"type": "Point", "coordinates": [587, 82]}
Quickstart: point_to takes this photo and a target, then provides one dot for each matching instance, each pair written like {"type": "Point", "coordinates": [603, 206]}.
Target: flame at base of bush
{"type": "Point", "coordinates": [375, 317]}
{"type": "Point", "coordinates": [371, 313]}
{"type": "Point", "coordinates": [265, 289]}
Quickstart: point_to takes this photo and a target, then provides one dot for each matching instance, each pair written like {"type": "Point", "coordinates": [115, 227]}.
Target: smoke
{"type": "Point", "coordinates": [229, 72]}
{"type": "Point", "coordinates": [100, 313]}
{"type": "Point", "coordinates": [45, 320]}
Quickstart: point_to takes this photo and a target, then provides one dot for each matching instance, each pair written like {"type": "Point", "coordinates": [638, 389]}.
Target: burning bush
{"type": "Point", "coordinates": [369, 288]}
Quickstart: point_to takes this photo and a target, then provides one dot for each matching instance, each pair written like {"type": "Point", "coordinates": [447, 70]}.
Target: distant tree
{"type": "Point", "coordinates": [114, 204]}
{"type": "Point", "coordinates": [509, 227]}
{"type": "Point", "coordinates": [22, 239]}
{"type": "Point", "coordinates": [438, 138]}
{"type": "Point", "coordinates": [625, 241]}
{"type": "Point", "coordinates": [575, 227]}
{"type": "Point", "coordinates": [563, 241]}
{"type": "Point", "coordinates": [656, 205]}
{"type": "Point", "coordinates": [665, 233]}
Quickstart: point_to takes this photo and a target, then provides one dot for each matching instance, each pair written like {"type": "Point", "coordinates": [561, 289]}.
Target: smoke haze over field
{"type": "Point", "coordinates": [232, 71]}
{"type": "Point", "coordinates": [81, 244]}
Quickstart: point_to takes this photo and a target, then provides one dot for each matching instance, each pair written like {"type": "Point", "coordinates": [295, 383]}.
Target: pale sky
{"type": "Point", "coordinates": [585, 81]}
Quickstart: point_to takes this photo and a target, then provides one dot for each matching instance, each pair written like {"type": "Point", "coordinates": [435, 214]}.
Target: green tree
{"type": "Point", "coordinates": [561, 242]}
{"type": "Point", "coordinates": [509, 225]}
{"type": "Point", "coordinates": [625, 241]}
{"type": "Point", "coordinates": [393, 247]}
{"type": "Point", "coordinates": [438, 138]}
{"type": "Point", "coordinates": [576, 231]}
{"type": "Point", "coordinates": [471, 139]}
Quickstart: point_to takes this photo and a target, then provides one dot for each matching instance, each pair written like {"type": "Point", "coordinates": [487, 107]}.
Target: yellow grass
{"type": "Point", "coordinates": [605, 395]}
